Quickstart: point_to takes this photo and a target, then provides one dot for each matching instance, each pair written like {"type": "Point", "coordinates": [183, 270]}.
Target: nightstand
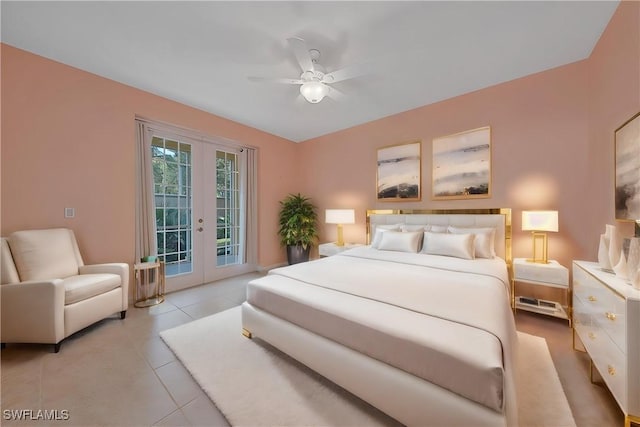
{"type": "Point", "coordinates": [328, 249]}
{"type": "Point", "coordinates": [551, 275]}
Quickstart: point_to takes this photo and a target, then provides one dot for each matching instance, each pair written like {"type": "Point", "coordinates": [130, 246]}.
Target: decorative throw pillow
{"type": "Point", "coordinates": [455, 245]}
{"type": "Point", "coordinates": [485, 239]}
{"type": "Point", "coordinates": [380, 229]}
{"type": "Point", "coordinates": [399, 241]}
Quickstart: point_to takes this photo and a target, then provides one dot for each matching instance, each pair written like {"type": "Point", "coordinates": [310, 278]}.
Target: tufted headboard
{"type": "Point", "coordinates": [499, 218]}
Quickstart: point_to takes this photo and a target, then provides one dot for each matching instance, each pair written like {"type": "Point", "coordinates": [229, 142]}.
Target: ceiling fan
{"type": "Point", "coordinates": [314, 81]}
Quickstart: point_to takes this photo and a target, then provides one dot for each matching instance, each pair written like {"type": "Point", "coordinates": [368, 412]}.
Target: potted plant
{"type": "Point", "coordinates": [298, 227]}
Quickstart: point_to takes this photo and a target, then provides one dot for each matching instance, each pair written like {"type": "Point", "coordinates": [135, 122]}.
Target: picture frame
{"type": "Point", "coordinates": [461, 165]}
{"type": "Point", "coordinates": [399, 172]}
{"type": "Point", "coordinates": [627, 170]}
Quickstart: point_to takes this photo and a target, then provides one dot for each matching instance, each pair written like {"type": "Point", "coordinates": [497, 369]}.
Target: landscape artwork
{"type": "Point", "coordinates": [399, 172]}
{"type": "Point", "coordinates": [627, 143]}
{"type": "Point", "coordinates": [462, 165]}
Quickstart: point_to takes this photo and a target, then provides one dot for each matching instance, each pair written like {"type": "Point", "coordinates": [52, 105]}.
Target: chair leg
{"type": "Point", "coordinates": [56, 347]}
{"type": "Point", "coordinates": [123, 314]}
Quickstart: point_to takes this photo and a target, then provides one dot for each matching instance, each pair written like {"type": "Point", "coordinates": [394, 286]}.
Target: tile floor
{"type": "Point", "coordinates": [120, 372]}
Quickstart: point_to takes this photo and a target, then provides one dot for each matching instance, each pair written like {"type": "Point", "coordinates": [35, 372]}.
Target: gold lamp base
{"type": "Point", "coordinates": [540, 248]}
{"type": "Point", "coordinates": [340, 241]}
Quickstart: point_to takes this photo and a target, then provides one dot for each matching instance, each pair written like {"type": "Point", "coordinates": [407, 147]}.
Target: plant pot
{"type": "Point", "coordinates": [297, 254]}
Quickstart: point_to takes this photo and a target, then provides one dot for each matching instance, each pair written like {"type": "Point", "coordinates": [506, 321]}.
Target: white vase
{"type": "Point", "coordinates": [603, 253]}
{"type": "Point", "coordinates": [621, 267]}
{"type": "Point", "coordinates": [633, 259]}
{"type": "Point", "coordinates": [615, 245]}
{"type": "Point", "coordinates": [635, 280]}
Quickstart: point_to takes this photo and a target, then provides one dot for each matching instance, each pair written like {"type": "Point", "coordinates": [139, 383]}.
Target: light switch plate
{"type": "Point", "coordinates": [69, 212]}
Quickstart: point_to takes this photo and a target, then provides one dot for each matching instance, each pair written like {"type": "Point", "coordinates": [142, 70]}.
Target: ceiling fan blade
{"type": "Point", "coordinates": [335, 94]}
{"type": "Point", "coordinates": [301, 51]}
{"type": "Point", "coordinates": [345, 73]}
{"type": "Point", "coordinates": [276, 80]}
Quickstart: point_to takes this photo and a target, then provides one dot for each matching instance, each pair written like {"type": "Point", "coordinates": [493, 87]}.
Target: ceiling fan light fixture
{"type": "Point", "coordinates": [314, 91]}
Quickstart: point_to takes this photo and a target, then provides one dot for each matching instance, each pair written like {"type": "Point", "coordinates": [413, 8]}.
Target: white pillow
{"type": "Point", "coordinates": [408, 241]}
{"type": "Point", "coordinates": [380, 229]}
{"type": "Point", "coordinates": [437, 228]}
{"type": "Point", "coordinates": [455, 245]}
{"type": "Point", "coordinates": [414, 227]}
{"type": "Point", "coordinates": [485, 239]}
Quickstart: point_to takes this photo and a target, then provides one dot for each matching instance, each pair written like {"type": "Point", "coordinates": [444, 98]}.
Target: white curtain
{"type": "Point", "coordinates": [250, 213]}
{"type": "Point", "coordinates": [146, 243]}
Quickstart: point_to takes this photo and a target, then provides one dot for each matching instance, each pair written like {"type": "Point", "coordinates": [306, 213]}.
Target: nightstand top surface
{"type": "Point", "coordinates": [552, 273]}
{"type": "Point", "coordinates": [551, 265]}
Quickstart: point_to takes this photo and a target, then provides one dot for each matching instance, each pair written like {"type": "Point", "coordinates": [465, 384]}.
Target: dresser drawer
{"type": "Point", "coordinates": [583, 313]}
{"type": "Point", "coordinates": [601, 306]}
{"type": "Point", "coordinates": [610, 363]}
{"type": "Point", "coordinates": [606, 320]}
{"type": "Point", "coordinates": [611, 316]}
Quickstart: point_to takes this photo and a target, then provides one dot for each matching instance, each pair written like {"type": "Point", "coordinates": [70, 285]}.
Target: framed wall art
{"type": "Point", "coordinates": [399, 172]}
{"type": "Point", "coordinates": [627, 165]}
{"type": "Point", "coordinates": [461, 165]}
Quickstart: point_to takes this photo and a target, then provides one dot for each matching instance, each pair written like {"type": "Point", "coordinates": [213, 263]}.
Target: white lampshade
{"type": "Point", "coordinates": [314, 91]}
{"type": "Point", "coordinates": [540, 220]}
{"type": "Point", "coordinates": [340, 216]}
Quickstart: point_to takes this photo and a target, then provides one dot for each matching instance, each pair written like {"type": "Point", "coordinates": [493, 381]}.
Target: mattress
{"type": "Point", "coordinates": [442, 319]}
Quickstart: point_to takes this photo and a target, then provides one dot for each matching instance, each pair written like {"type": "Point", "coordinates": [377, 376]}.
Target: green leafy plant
{"type": "Point", "coordinates": [298, 221]}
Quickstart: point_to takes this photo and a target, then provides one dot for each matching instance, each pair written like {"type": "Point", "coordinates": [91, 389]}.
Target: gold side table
{"type": "Point", "coordinates": [149, 288]}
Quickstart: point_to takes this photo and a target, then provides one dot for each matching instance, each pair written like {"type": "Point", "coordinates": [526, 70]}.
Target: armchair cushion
{"type": "Point", "coordinates": [45, 254]}
{"type": "Point", "coordinates": [85, 286]}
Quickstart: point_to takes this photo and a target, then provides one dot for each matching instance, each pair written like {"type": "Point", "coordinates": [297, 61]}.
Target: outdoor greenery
{"type": "Point", "coordinates": [171, 164]}
{"type": "Point", "coordinates": [298, 221]}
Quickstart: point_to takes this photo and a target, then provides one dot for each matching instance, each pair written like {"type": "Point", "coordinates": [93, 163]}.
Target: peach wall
{"type": "Point", "coordinates": [614, 97]}
{"type": "Point", "coordinates": [68, 140]}
{"type": "Point", "coordinates": [539, 134]}
{"type": "Point", "coordinates": [552, 136]}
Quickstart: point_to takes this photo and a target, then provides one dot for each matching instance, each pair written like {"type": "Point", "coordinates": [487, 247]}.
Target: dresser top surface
{"type": "Point", "coordinates": [621, 287]}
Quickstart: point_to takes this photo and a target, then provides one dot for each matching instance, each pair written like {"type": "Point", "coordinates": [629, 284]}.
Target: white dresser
{"type": "Point", "coordinates": [606, 318]}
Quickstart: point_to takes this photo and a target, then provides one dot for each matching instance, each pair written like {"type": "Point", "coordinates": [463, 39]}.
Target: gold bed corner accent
{"type": "Point", "coordinates": [246, 333]}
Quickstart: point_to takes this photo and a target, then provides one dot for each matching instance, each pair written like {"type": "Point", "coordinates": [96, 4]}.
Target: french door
{"type": "Point", "coordinates": [200, 191]}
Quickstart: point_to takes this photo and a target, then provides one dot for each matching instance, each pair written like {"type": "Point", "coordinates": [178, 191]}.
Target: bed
{"type": "Point", "coordinates": [418, 322]}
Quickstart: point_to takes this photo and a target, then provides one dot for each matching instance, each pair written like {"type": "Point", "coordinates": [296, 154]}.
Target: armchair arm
{"type": "Point", "coordinates": [32, 312]}
{"type": "Point", "coordinates": [119, 268]}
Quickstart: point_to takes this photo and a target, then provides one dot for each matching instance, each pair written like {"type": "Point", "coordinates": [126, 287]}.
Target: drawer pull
{"type": "Point", "coordinates": [592, 335]}
{"type": "Point", "coordinates": [611, 370]}
{"type": "Point", "coordinates": [610, 316]}
{"type": "Point", "coordinates": [592, 298]}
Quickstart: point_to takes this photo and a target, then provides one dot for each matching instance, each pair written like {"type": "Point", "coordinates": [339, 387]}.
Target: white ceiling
{"type": "Point", "coordinates": [201, 53]}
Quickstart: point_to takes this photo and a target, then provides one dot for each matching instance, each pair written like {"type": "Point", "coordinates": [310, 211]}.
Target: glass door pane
{"type": "Point", "coordinates": [172, 175]}
{"type": "Point", "coordinates": [227, 209]}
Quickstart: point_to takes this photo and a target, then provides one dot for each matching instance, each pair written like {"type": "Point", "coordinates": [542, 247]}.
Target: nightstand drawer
{"type": "Point", "coordinates": [330, 249]}
{"type": "Point", "coordinates": [552, 273]}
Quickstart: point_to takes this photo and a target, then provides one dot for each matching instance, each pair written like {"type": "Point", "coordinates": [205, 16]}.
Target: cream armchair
{"type": "Point", "coordinates": [46, 291]}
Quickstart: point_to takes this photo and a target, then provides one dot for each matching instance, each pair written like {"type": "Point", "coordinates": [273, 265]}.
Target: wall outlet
{"type": "Point", "coordinates": [69, 212]}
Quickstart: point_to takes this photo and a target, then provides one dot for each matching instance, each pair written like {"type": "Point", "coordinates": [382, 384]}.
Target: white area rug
{"type": "Point", "coordinates": [254, 384]}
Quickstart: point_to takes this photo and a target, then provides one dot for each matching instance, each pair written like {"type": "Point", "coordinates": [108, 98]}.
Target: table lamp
{"type": "Point", "coordinates": [340, 216]}
{"type": "Point", "coordinates": [539, 223]}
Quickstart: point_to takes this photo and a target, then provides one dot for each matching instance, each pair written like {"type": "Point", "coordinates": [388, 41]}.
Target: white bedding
{"type": "Point", "coordinates": [452, 314]}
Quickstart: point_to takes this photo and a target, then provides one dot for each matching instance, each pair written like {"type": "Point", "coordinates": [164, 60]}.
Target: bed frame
{"type": "Point", "coordinates": [405, 397]}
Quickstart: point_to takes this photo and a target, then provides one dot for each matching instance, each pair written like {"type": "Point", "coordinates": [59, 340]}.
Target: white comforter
{"type": "Point", "coordinates": [472, 293]}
